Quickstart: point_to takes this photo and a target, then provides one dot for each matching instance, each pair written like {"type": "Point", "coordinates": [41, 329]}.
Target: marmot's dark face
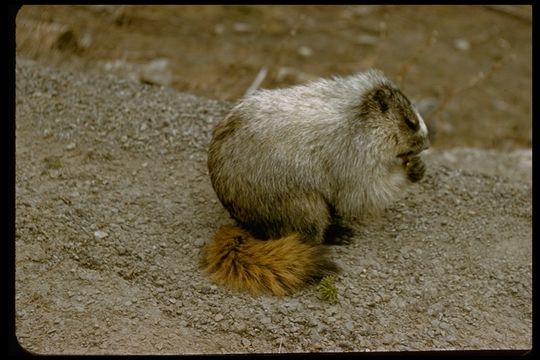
{"type": "Point", "coordinates": [401, 127]}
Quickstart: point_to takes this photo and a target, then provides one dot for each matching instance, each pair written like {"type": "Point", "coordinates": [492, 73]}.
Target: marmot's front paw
{"type": "Point", "coordinates": [415, 168]}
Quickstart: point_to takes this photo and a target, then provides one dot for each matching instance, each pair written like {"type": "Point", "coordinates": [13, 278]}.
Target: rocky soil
{"type": "Point", "coordinates": [113, 204]}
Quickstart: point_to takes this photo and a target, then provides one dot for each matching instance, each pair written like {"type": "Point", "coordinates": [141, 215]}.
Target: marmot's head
{"type": "Point", "coordinates": [398, 126]}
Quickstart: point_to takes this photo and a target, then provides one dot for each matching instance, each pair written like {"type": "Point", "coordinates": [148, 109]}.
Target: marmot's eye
{"type": "Point", "coordinates": [412, 124]}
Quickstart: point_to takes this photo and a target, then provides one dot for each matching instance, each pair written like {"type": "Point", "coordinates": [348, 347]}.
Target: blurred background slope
{"type": "Point", "coordinates": [468, 67]}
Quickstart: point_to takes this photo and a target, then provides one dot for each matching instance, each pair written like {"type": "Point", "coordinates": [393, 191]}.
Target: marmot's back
{"type": "Point", "coordinates": [308, 107]}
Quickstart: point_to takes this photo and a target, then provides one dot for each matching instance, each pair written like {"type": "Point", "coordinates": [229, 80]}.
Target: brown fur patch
{"type": "Point", "coordinates": [226, 127]}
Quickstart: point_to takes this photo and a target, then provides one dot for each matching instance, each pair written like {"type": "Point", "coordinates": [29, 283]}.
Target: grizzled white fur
{"type": "Point", "coordinates": [306, 145]}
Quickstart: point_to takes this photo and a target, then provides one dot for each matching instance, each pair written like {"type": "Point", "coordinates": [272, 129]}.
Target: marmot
{"type": "Point", "coordinates": [292, 165]}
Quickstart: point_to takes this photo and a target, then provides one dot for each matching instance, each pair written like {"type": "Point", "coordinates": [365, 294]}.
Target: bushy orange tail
{"type": "Point", "coordinates": [239, 261]}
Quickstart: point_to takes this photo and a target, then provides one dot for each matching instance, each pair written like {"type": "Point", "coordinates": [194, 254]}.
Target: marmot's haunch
{"type": "Point", "coordinates": [293, 165]}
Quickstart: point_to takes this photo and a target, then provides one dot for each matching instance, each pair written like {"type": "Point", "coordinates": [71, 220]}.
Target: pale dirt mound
{"type": "Point", "coordinates": [113, 203]}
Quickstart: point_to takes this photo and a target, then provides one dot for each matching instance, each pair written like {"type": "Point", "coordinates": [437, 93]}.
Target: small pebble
{"type": "Point", "coordinates": [368, 40]}
{"type": "Point", "coordinates": [219, 29]}
{"type": "Point", "coordinates": [100, 234]}
{"type": "Point", "coordinates": [199, 242]}
{"type": "Point", "coordinates": [246, 342]}
{"type": "Point", "coordinates": [241, 27]}
{"type": "Point", "coordinates": [305, 51]}
{"type": "Point", "coordinates": [462, 44]}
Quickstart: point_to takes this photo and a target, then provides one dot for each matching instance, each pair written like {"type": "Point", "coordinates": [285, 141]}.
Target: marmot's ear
{"type": "Point", "coordinates": [381, 96]}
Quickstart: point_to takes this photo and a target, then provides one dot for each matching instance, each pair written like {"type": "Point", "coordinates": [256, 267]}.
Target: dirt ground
{"type": "Point", "coordinates": [113, 203]}
{"type": "Point", "coordinates": [113, 199]}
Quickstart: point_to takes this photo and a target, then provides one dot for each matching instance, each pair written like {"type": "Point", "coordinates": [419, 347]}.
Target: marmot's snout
{"type": "Point", "coordinates": [420, 143]}
{"type": "Point", "coordinates": [420, 140]}
{"type": "Point", "coordinates": [417, 143]}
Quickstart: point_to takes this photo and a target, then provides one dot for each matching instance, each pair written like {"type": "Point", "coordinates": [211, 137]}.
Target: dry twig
{"type": "Point", "coordinates": [513, 11]}
{"type": "Point", "coordinates": [257, 82]}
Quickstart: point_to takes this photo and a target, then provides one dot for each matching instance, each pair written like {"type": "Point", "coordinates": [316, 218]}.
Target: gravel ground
{"type": "Point", "coordinates": [113, 204]}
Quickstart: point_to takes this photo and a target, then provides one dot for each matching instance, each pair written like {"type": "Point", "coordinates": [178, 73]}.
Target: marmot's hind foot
{"type": "Point", "coordinates": [338, 234]}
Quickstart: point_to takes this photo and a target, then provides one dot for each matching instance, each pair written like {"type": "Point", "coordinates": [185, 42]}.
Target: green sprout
{"type": "Point", "coordinates": [327, 288]}
{"type": "Point", "coordinates": [53, 162]}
